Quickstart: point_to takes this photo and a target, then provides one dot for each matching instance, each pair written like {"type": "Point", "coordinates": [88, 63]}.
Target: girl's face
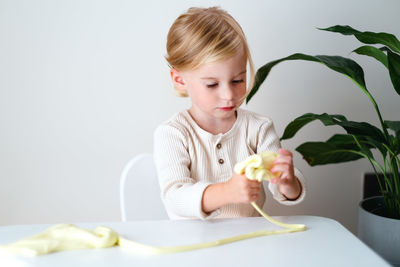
{"type": "Point", "coordinates": [216, 89]}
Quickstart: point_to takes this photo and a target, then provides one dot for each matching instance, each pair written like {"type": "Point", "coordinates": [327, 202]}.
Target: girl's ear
{"type": "Point", "coordinates": [177, 79]}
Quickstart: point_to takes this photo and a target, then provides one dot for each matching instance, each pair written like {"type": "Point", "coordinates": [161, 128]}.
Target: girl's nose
{"type": "Point", "coordinates": [227, 92]}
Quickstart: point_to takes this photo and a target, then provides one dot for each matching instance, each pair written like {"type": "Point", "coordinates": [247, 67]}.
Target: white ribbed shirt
{"type": "Point", "coordinates": [188, 159]}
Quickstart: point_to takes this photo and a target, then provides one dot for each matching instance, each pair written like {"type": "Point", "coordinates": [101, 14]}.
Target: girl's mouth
{"type": "Point", "coordinates": [227, 108]}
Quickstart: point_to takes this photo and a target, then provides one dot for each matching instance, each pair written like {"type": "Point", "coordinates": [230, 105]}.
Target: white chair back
{"type": "Point", "coordinates": [140, 191]}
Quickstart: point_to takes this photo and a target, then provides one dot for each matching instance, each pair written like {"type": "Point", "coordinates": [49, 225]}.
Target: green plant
{"type": "Point", "coordinates": [360, 138]}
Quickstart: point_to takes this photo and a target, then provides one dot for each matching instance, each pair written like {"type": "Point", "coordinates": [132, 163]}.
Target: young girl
{"type": "Point", "coordinates": [195, 150]}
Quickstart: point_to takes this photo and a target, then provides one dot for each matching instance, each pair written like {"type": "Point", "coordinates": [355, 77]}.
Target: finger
{"type": "Point", "coordinates": [283, 174]}
{"type": "Point", "coordinates": [254, 197]}
{"type": "Point", "coordinates": [283, 159]}
{"type": "Point", "coordinates": [254, 183]}
{"type": "Point", "coordinates": [280, 168]}
{"type": "Point", "coordinates": [254, 187]}
{"type": "Point", "coordinates": [285, 152]}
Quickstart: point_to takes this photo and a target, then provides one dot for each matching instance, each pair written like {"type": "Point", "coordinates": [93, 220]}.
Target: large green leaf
{"type": "Point", "coordinates": [368, 37]}
{"type": "Point", "coordinates": [353, 142]}
{"type": "Point", "coordinates": [393, 125]}
{"type": "Point", "coordinates": [337, 149]}
{"type": "Point", "coordinates": [342, 65]}
{"type": "Point", "coordinates": [387, 39]}
{"type": "Point", "coordinates": [394, 70]}
{"type": "Point", "coordinates": [374, 52]}
{"type": "Point", "coordinates": [351, 127]}
{"type": "Point", "coordinates": [263, 72]}
{"type": "Point", "coordinates": [294, 126]}
{"type": "Point", "coordinates": [320, 153]}
{"type": "Point", "coordinates": [347, 141]}
{"type": "Point", "coordinates": [344, 140]}
{"type": "Point", "coordinates": [343, 29]}
{"type": "Point", "coordinates": [363, 129]}
{"type": "Point", "coordinates": [376, 144]}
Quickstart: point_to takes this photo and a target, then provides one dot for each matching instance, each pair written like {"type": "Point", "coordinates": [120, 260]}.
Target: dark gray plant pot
{"type": "Point", "coordinates": [379, 233]}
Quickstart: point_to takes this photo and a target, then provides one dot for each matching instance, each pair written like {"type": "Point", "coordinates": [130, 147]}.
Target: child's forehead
{"type": "Point", "coordinates": [220, 75]}
{"type": "Point", "coordinates": [232, 67]}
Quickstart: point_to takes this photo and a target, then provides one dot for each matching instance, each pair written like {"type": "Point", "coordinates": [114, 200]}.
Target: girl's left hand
{"type": "Point", "coordinates": [287, 183]}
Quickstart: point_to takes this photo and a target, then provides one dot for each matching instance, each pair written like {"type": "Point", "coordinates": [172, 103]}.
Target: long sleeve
{"type": "Point", "coordinates": [181, 193]}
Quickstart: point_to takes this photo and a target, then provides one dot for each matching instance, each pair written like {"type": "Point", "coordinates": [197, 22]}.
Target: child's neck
{"type": "Point", "coordinates": [213, 125]}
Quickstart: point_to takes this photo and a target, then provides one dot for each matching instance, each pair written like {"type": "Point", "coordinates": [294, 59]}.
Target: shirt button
{"type": "Point", "coordinates": [219, 145]}
{"type": "Point", "coordinates": [221, 161]}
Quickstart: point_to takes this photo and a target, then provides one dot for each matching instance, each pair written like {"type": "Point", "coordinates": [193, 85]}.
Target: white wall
{"type": "Point", "coordinates": [83, 84]}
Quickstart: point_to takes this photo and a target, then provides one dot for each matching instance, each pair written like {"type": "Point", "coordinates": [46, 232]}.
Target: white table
{"type": "Point", "coordinates": [324, 243]}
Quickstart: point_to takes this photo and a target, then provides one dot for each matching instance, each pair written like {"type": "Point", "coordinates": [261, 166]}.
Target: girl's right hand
{"type": "Point", "coordinates": [239, 189]}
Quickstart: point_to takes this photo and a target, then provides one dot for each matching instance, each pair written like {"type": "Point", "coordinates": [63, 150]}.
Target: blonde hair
{"type": "Point", "coordinates": [205, 35]}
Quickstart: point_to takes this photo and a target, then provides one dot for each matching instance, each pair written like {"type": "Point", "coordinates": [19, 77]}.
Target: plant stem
{"type": "Point", "coordinates": [371, 98]}
{"type": "Point", "coordinates": [369, 159]}
{"type": "Point", "coordinates": [395, 173]}
{"type": "Point", "coordinates": [394, 169]}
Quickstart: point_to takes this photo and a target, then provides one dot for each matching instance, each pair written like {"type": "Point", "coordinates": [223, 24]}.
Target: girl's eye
{"type": "Point", "coordinates": [212, 85]}
{"type": "Point", "coordinates": [237, 81]}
